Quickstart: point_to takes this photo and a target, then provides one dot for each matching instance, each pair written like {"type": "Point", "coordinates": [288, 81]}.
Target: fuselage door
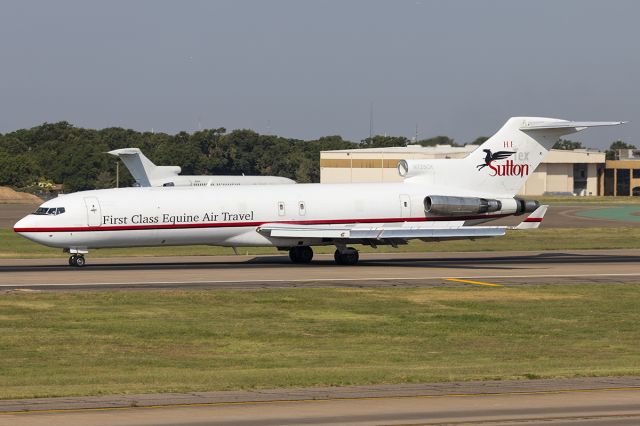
{"type": "Point", "coordinates": [405, 205]}
{"type": "Point", "coordinates": [94, 216]}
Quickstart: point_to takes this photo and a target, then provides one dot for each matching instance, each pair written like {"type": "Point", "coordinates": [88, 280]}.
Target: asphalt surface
{"type": "Point", "coordinates": [581, 401]}
{"type": "Point", "coordinates": [590, 401]}
{"type": "Point", "coordinates": [11, 213]}
{"type": "Point", "coordinates": [374, 270]}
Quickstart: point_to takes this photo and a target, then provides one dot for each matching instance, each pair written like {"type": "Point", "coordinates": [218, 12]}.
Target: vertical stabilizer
{"type": "Point", "coordinates": [142, 169]}
{"type": "Point", "coordinates": [502, 164]}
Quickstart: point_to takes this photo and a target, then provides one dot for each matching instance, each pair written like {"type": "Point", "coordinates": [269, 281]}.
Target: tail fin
{"type": "Point", "coordinates": [502, 164]}
{"type": "Point", "coordinates": [142, 169]}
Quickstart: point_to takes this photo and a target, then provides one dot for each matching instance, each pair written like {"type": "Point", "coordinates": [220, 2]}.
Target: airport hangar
{"type": "Point", "coordinates": [563, 172]}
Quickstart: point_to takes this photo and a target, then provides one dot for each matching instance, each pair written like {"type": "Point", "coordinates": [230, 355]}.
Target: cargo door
{"type": "Point", "coordinates": [94, 215]}
{"type": "Point", "coordinates": [405, 205]}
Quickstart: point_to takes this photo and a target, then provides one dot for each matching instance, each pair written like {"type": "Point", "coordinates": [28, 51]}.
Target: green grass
{"type": "Point", "coordinates": [87, 343]}
{"type": "Point", "coordinates": [14, 246]}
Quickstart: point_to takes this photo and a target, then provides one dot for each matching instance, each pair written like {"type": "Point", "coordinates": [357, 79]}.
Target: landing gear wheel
{"type": "Point", "coordinates": [77, 260]}
{"type": "Point", "coordinates": [350, 256]}
{"type": "Point", "coordinates": [301, 254]}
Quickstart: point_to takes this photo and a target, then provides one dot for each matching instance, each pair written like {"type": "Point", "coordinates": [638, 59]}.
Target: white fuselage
{"type": "Point", "coordinates": [220, 180]}
{"type": "Point", "coordinates": [225, 216]}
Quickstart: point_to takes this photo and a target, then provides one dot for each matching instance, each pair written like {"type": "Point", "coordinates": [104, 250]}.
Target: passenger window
{"type": "Point", "coordinates": [280, 208]}
{"type": "Point", "coordinates": [301, 208]}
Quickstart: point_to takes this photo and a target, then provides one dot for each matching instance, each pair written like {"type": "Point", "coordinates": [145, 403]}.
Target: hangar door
{"type": "Point", "coordinates": [94, 216]}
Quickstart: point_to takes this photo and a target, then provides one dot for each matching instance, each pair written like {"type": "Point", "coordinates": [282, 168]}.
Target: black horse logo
{"type": "Point", "coordinates": [489, 158]}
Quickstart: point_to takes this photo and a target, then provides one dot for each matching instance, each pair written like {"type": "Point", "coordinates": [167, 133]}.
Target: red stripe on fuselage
{"type": "Point", "coordinates": [242, 224]}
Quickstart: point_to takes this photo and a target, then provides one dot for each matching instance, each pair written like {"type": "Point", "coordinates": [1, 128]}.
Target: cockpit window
{"type": "Point", "coordinates": [49, 211]}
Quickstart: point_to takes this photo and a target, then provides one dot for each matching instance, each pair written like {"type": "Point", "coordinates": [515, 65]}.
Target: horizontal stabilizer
{"type": "Point", "coordinates": [534, 220]}
{"type": "Point", "coordinates": [578, 125]}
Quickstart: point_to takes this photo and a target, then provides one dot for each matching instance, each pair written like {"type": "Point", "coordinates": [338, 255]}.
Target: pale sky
{"type": "Point", "coordinates": [306, 69]}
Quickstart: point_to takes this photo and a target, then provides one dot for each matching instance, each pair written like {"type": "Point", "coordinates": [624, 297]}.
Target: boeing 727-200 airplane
{"type": "Point", "coordinates": [439, 199]}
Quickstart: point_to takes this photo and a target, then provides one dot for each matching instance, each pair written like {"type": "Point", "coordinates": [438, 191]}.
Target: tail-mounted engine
{"type": "Point", "coordinates": [526, 206]}
{"type": "Point", "coordinates": [453, 206]}
{"type": "Point", "coordinates": [459, 206]}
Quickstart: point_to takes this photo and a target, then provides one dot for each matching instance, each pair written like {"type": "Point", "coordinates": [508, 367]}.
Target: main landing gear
{"type": "Point", "coordinates": [77, 260]}
{"type": "Point", "coordinates": [346, 256]}
{"type": "Point", "coordinates": [301, 254]}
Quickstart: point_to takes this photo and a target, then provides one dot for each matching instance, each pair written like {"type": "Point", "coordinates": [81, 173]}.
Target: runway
{"type": "Point", "coordinates": [374, 270]}
{"type": "Point", "coordinates": [581, 401]}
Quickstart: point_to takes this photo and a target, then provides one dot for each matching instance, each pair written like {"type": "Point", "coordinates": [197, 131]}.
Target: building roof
{"type": "Point", "coordinates": [413, 149]}
{"type": "Point", "coordinates": [448, 151]}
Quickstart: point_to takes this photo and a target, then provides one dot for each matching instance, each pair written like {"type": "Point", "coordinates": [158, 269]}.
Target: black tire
{"type": "Point", "coordinates": [293, 254]}
{"type": "Point", "coordinates": [349, 257]}
{"type": "Point", "coordinates": [80, 262]}
{"type": "Point", "coordinates": [72, 260]}
{"type": "Point", "coordinates": [305, 254]}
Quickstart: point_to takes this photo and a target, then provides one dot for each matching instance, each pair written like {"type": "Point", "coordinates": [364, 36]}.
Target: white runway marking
{"type": "Point", "coordinates": [321, 280]}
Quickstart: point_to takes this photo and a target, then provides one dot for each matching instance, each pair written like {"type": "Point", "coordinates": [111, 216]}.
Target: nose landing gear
{"type": "Point", "coordinates": [77, 260]}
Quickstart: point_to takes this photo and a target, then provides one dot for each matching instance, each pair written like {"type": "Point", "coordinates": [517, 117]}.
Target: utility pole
{"type": "Point", "coordinates": [371, 120]}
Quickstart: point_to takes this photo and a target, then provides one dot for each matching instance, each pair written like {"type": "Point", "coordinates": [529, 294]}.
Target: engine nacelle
{"type": "Point", "coordinates": [526, 206]}
{"type": "Point", "coordinates": [454, 206]}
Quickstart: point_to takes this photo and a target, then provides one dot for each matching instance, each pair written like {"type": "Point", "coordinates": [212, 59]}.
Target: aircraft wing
{"type": "Point", "coordinates": [405, 231]}
{"type": "Point", "coordinates": [381, 232]}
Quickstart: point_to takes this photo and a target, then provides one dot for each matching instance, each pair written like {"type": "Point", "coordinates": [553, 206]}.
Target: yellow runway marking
{"type": "Point", "coordinates": [473, 282]}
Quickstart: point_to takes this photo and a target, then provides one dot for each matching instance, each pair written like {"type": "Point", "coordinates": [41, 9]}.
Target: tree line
{"type": "Point", "coordinates": [76, 157]}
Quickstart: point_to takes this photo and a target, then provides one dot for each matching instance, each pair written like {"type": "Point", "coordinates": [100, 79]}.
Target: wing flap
{"type": "Point", "coordinates": [305, 232]}
{"type": "Point", "coordinates": [426, 230]}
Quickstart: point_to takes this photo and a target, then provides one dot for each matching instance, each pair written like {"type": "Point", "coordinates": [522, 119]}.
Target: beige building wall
{"type": "Point", "coordinates": [559, 177]}
{"type": "Point", "coordinates": [592, 179]}
{"type": "Point", "coordinates": [537, 182]}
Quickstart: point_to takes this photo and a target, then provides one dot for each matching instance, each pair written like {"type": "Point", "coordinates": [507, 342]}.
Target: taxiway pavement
{"type": "Point", "coordinates": [374, 270]}
{"type": "Point", "coordinates": [580, 401]}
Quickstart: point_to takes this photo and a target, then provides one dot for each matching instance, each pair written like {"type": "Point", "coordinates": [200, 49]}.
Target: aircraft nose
{"type": "Point", "coordinates": [25, 225]}
{"type": "Point", "coordinates": [27, 228]}
{"type": "Point", "coordinates": [21, 225]}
